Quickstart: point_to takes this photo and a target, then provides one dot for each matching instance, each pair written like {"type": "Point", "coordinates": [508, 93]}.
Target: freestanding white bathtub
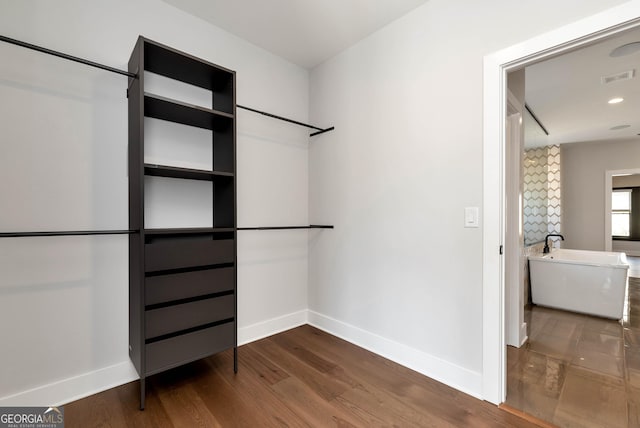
{"type": "Point", "coordinates": [591, 282]}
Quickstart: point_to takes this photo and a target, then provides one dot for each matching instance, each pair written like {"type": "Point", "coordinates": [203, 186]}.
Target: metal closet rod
{"type": "Point", "coordinates": [536, 118]}
{"type": "Point", "coordinates": [129, 232]}
{"type": "Point", "coordinates": [65, 56]}
{"type": "Point", "coordinates": [66, 233]}
{"type": "Point", "coordinates": [312, 226]}
{"type": "Point", "coordinates": [318, 130]}
{"type": "Point", "coordinates": [133, 75]}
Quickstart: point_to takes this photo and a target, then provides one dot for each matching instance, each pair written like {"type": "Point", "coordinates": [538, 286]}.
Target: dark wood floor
{"type": "Point", "coordinates": [300, 378]}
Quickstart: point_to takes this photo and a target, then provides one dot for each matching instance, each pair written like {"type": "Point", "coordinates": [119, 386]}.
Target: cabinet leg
{"type": "Point", "coordinates": [142, 392]}
{"type": "Point", "coordinates": [235, 360]}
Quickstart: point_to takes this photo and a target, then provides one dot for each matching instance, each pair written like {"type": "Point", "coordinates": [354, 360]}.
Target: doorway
{"type": "Point", "coordinates": [579, 34]}
{"type": "Point", "coordinates": [625, 179]}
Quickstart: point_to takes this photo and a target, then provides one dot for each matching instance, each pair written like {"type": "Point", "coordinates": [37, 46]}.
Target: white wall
{"type": "Point", "coordinates": [63, 301]}
{"type": "Point", "coordinates": [400, 274]}
{"type": "Point", "coordinates": [583, 188]}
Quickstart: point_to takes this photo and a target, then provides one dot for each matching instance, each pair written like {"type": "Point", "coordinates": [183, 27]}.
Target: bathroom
{"type": "Point", "coordinates": [576, 180]}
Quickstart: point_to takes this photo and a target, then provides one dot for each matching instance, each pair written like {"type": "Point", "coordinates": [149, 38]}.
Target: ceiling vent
{"type": "Point", "coordinates": [625, 75]}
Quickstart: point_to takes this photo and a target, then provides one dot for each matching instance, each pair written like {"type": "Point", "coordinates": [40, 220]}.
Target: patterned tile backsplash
{"type": "Point", "coordinates": [542, 207]}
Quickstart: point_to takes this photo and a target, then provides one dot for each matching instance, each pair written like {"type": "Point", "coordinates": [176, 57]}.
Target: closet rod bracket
{"type": "Point", "coordinates": [322, 131]}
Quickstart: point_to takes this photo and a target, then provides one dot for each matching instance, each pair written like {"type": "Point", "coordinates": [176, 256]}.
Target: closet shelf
{"type": "Point", "coordinates": [188, 230]}
{"type": "Point", "coordinates": [187, 173]}
{"type": "Point", "coordinates": [188, 114]}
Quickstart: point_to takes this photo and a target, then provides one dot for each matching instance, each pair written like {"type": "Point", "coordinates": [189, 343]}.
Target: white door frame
{"type": "Point", "coordinates": [515, 328]}
{"type": "Point", "coordinates": [496, 66]}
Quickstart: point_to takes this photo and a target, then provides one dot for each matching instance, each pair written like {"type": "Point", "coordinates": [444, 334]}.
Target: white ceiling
{"type": "Point", "coordinates": [566, 94]}
{"type": "Point", "coordinates": [305, 32]}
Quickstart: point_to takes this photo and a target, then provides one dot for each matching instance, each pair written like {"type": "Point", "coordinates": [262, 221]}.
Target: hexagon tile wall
{"type": "Point", "coordinates": [542, 199]}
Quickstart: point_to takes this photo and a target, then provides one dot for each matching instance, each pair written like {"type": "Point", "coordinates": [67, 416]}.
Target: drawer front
{"type": "Point", "coordinates": [188, 253]}
{"type": "Point", "coordinates": [165, 288]}
{"type": "Point", "coordinates": [169, 353]}
{"type": "Point", "coordinates": [188, 315]}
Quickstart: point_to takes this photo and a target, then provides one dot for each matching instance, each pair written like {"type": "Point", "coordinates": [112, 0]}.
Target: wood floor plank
{"type": "Point", "coordinates": [343, 352]}
{"type": "Point", "coordinates": [101, 409]}
{"type": "Point", "coordinates": [390, 408]}
{"type": "Point", "coordinates": [302, 353]}
{"type": "Point", "coordinates": [129, 396]}
{"type": "Point", "coordinates": [327, 386]}
{"type": "Point", "coordinates": [370, 419]}
{"type": "Point", "coordinates": [254, 389]}
{"type": "Point", "coordinates": [373, 398]}
{"type": "Point", "coordinates": [186, 408]}
{"type": "Point", "coordinates": [302, 400]}
{"type": "Point", "coordinates": [222, 401]}
{"type": "Point", "coordinates": [260, 366]}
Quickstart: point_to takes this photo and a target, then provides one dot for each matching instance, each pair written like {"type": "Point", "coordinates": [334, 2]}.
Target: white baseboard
{"type": "Point", "coordinates": [462, 379]}
{"type": "Point", "coordinates": [270, 327]}
{"type": "Point", "coordinates": [74, 388]}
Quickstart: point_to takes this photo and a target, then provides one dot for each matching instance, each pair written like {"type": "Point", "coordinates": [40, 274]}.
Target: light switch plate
{"type": "Point", "coordinates": [471, 217]}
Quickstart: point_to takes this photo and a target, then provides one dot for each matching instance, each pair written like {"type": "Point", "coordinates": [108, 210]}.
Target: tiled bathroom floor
{"type": "Point", "coordinates": [578, 370]}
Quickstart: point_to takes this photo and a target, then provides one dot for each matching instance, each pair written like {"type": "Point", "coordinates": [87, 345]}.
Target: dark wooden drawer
{"type": "Point", "coordinates": [175, 318]}
{"type": "Point", "coordinates": [165, 288]}
{"type": "Point", "coordinates": [184, 253]}
{"type": "Point", "coordinates": [169, 353]}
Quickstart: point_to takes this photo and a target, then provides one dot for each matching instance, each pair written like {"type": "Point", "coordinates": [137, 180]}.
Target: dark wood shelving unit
{"type": "Point", "coordinates": [182, 281]}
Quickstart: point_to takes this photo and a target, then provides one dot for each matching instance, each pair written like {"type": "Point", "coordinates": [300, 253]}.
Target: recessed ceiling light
{"type": "Point", "coordinates": [616, 100]}
{"type": "Point", "coordinates": [618, 127]}
{"type": "Point", "coordinates": [628, 49]}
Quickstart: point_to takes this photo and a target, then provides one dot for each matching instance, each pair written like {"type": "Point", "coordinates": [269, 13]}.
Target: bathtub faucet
{"type": "Point", "coordinates": [546, 241]}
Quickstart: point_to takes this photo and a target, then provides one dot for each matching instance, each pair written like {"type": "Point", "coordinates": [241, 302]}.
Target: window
{"type": "Point", "coordinates": [621, 212]}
